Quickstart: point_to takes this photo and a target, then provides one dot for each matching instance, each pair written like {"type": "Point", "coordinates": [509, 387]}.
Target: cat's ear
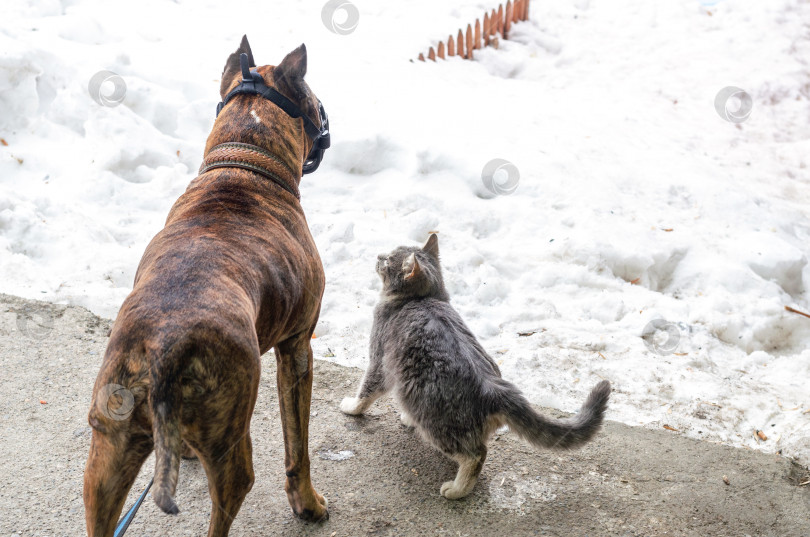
{"type": "Point", "coordinates": [411, 267]}
{"type": "Point", "coordinates": [432, 246]}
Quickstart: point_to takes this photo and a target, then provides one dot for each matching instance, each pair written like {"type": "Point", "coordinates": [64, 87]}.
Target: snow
{"type": "Point", "coordinates": [342, 455]}
{"type": "Point", "coordinates": [636, 203]}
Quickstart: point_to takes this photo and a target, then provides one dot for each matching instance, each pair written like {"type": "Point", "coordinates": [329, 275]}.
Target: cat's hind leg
{"type": "Point", "coordinates": [469, 466]}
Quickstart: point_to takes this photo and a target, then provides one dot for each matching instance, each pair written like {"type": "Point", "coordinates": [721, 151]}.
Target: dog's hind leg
{"type": "Point", "coordinates": [230, 478]}
{"type": "Point", "coordinates": [294, 366]}
{"type": "Point", "coordinates": [188, 452]}
{"type": "Point", "coordinates": [218, 432]}
{"type": "Point", "coordinates": [112, 466]}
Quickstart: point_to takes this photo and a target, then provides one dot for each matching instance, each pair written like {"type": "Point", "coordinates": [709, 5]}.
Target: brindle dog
{"type": "Point", "coordinates": [233, 273]}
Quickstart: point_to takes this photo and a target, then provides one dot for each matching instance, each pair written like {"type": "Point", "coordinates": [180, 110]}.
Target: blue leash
{"type": "Point", "coordinates": [123, 524]}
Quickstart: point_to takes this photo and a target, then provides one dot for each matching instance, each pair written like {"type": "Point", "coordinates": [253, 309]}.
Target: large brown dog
{"type": "Point", "coordinates": [234, 273]}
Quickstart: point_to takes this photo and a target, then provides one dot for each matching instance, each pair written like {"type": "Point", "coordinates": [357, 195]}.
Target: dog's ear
{"type": "Point", "coordinates": [291, 71]}
{"type": "Point", "coordinates": [232, 68]}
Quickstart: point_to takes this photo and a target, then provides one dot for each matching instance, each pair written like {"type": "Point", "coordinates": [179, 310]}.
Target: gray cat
{"type": "Point", "coordinates": [446, 384]}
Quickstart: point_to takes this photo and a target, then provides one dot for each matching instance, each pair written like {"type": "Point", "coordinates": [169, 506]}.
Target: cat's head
{"type": "Point", "coordinates": [412, 272]}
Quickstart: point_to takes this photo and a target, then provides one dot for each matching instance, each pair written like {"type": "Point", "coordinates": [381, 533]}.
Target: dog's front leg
{"type": "Point", "coordinates": [294, 366]}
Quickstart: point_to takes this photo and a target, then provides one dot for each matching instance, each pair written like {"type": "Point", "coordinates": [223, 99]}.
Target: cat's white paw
{"type": "Point", "coordinates": [351, 406]}
{"type": "Point", "coordinates": [451, 492]}
{"type": "Point", "coordinates": [406, 420]}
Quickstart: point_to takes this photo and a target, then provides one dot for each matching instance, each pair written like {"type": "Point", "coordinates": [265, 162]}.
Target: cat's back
{"type": "Point", "coordinates": [428, 333]}
{"type": "Point", "coordinates": [419, 318]}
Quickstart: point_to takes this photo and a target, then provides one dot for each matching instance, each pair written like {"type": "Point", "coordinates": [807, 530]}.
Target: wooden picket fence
{"type": "Point", "coordinates": [496, 26]}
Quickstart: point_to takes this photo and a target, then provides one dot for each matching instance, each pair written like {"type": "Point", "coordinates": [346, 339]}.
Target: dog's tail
{"type": "Point", "coordinates": [547, 432]}
{"type": "Point", "coordinates": [166, 402]}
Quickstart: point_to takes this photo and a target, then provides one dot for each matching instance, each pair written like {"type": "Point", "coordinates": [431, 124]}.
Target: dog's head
{"type": "Point", "coordinates": [260, 120]}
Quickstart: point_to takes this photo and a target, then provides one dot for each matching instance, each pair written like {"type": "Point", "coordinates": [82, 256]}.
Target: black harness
{"type": "Point", "coordinates": [253, 84]}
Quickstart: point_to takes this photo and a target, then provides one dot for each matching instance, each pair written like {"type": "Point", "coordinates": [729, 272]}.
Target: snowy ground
{"type": "Point", "coordinates": [636, 201]}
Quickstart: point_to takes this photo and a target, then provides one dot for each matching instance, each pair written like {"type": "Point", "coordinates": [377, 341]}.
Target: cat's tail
{"type": "Point", "coordinates": [548, 432]}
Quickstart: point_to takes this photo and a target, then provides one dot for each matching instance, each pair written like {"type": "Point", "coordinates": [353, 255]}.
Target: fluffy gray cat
{"type": "Point", "coordinates": [446, 384]}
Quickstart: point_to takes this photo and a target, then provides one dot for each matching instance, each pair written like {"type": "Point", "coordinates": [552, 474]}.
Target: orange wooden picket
{"type": "Point", "coordinates": [497, 25]}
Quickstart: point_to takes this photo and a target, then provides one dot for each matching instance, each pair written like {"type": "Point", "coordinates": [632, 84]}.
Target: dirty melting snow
{"type": "Point", "coordinates": [330, 455]}
{"type": "Point", "coordinates": [635, 202]}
